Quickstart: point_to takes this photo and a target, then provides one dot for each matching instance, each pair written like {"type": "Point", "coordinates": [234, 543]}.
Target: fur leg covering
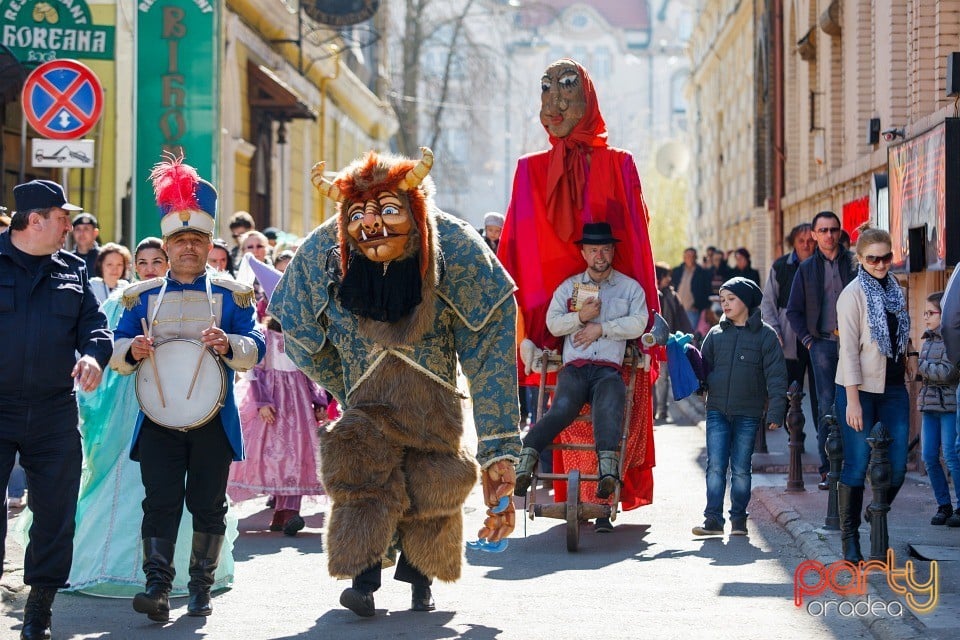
{"type": "Point", "coordinates": [363, 475]}
{"type": "Point", "coordinates": [431, 532]}
{"type": "Point", "coordinates": [434, 545]}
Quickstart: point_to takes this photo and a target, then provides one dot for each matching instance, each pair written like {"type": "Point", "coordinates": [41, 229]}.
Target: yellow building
{"type": "Point", "coordinates": [292, 92]}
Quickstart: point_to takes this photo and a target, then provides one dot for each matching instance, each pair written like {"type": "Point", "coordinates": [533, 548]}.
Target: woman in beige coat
{"type": "Point", "coordinates": [874, 329]}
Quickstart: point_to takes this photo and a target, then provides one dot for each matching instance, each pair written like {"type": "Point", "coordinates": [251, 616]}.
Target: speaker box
{"type": "Point", "coordinates": [917, 245]}
{"type": "Point", "coordinates": [953, 74]}
{"type": "Point", "coordinates": [873, 131]}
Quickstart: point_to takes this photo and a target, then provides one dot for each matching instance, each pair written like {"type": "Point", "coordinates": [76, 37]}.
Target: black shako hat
{"type": "Point", "coordinates": [597, 233]}
{"type": "Point", "coordinates": [41, 194]}
{"type": "Point", "coordinates": [745, 289]}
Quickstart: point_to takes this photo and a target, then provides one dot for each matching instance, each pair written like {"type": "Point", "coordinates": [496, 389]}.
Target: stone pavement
{"type": "Point", "coordinates": [912, 538]}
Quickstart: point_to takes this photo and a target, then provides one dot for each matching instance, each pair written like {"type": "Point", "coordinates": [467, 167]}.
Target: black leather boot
{"type": "Point", "coordinates": [37, 614]}
{"type": "Point", "coordinates": [359, 597]}
{"type": "Point", "coordinates": [849, 503]}
{"type": "Point", "coordinates": [204, 558]}
{"type": "Point", "coordinates": [158, 567]}
{"type": "Point", "coordinates": [422, 598]}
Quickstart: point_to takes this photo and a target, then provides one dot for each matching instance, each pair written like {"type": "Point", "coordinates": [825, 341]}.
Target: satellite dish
{"type": "Point", "coordinates": [673, 158]}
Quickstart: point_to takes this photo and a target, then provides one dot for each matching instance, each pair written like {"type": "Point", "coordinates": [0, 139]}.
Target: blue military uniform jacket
{"type": "Point", "coordinates": [48, 318]}
{"type": "Point", "coordinates": [185, 312]}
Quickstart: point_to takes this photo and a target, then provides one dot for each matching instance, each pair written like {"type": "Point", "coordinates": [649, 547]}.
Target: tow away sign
{"type": "Point", "coordinates": [69, 154]}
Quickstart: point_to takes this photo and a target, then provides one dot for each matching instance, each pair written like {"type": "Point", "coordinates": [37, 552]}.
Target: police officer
{"type": "Point", "coordinates": [86, 230]}
{"type": "Point", "coordinates": [51, 314]}
{"type": "Point", "coordinates": [192, 463]}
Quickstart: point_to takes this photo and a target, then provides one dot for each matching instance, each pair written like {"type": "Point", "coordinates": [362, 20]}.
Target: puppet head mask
{"type": "Point", "coordinates": [383, 207]}
{"type": "Point", "coordinates": [562, 99]}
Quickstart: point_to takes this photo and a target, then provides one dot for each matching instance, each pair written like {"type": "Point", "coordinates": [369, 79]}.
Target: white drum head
{"type": "Point", "coordinates": [176, 362]}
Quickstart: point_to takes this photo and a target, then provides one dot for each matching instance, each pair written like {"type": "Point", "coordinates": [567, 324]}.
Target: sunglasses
{"type": "Point", "coordinates": [885, 259]}
{"type": "Point", "coordinates": [255, 246]}
{"type": "Point", "coordinates": [830, 230]}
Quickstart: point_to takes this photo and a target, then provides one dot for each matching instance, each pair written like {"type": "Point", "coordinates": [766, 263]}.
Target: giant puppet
{"type": "Point", "coordinates": [580, 179]}
{"type": "Point", "coordinates": [379, 306]}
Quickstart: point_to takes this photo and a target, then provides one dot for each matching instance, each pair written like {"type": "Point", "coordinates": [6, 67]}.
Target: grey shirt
{"type": "Point", "coordinates": [623, 316]}
{"type": "Point", "coordinates": [832, 286]}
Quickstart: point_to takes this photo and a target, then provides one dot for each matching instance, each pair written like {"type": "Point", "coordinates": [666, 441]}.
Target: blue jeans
{"type": "Point", "coordinates": [602, 387]}
{"type": "Point", "coordinates": [730, 442]}
{"type": "Point", "coordinates": [892, 407]}
{"type": "Point", "coordinates": [823, 359]}
{"type": "Point", "coordinates": [17, 485]}
{"type": "Point", "coordinates": [940, 430]}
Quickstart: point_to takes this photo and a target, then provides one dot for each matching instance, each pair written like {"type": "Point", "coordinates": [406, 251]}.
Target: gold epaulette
{"type": "Point", "coordinates": [243, 294]}
{"type": "Point", "coordinates": [131, 295]}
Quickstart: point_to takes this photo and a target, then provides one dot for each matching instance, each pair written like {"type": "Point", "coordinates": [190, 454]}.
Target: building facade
{"type": "Point", "coordinates": [286, 91]}
{"type": "Point", "coordinates": [861, 119]}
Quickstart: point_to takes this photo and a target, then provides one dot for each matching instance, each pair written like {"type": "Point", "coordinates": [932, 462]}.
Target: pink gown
{"type": "Point", "coordinates": [281, 457]}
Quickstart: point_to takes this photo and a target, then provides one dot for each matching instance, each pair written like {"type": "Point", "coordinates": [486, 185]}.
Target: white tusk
{"type": "Point", "coordinates": [363, 236]}
{"type": "Point", "coordinates": [384, 232]}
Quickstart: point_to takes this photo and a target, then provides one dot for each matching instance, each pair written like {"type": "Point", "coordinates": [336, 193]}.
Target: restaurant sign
{"type": "Point", "coordinates": [38, 31]}
{"type": "Point", "coordinates": [340, 13]}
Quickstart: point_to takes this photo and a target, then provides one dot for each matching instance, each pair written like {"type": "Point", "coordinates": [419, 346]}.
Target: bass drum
{"type": "Point", "coordinates": [176, 360]}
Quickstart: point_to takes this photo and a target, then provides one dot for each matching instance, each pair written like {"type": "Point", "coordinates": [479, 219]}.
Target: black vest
{"type": "Point", "coordinates": [784, 271]}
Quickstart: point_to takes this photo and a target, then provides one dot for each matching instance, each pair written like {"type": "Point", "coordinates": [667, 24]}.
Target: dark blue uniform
{"type": "Point", "coordinates": [49, 313]}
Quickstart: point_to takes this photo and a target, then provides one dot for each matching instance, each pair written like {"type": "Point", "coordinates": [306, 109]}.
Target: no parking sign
{"type": "Point", "coordinates": [62, 99]}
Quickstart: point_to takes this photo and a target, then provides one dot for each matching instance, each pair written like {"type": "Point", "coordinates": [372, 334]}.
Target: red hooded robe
{"type": "Point", "coordinates": [581, 179]}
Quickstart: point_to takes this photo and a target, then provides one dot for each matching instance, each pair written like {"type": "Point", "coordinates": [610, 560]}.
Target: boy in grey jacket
{"type": "Point", "coordinates": [747, 374]}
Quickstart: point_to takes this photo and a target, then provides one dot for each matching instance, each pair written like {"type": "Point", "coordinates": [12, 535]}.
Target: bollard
{"type": "Point", "coordinates": [795, 422]}
{"type": "Point", "coordinates": [834, 449]}
{"type": "Point", "coordinates": [880, 473]}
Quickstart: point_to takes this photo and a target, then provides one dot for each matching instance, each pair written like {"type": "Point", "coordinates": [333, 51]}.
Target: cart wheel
{"type": "Point", "coordinates": [573, 510]}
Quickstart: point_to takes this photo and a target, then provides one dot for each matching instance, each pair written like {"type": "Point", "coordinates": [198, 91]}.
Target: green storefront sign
{"type": "Point", "coordinates": [37, 31]}
{"type": "Point", "coordinates": [177, 95]}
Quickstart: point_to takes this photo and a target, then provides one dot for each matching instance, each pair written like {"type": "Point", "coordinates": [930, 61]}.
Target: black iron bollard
{"type": "Point", "coordinates": [881, 472]}
{"type": "Point", "coordinates": [795, 422]}
{"type": "Point", "coordinates": [834, 448]}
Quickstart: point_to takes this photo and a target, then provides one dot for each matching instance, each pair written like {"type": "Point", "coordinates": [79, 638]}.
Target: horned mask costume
{"type": "Point", "coordinates": [378, 306]}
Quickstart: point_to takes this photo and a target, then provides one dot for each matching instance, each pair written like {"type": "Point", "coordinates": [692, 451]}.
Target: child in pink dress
{"type": "Point", "coordinates": [279, 408]}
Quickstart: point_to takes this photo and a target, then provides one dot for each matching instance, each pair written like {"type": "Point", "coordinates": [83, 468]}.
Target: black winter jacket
{"type": "Point", "coordinates": [746, 370]}
{"type": "Point", "coordinates": [47, 318]}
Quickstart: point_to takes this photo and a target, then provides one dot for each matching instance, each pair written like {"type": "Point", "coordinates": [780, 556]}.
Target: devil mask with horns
{"type": "Point", "coordinates": [383, 217]}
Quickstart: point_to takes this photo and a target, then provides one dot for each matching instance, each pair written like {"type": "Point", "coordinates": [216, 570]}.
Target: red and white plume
{"type": "Point", "coordinates": [175, 185]}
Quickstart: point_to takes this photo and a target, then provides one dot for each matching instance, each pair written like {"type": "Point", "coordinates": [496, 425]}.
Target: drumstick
{"type": "Point", "coordinates": [156, 373]}
{"type": "Point", "coordinates": [196, 371]}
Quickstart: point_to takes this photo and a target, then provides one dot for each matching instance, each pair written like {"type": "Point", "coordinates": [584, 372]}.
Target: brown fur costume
{"type": "Point", "coordinates": [394, 462]}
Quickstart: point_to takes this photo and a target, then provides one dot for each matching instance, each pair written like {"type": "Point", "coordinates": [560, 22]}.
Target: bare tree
{"type": "Point", "coordinates": [437, 52]}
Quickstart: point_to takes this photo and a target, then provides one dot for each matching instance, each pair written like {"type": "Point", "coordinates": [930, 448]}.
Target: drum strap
{"type": "Point", "coordinates": [163, 291]}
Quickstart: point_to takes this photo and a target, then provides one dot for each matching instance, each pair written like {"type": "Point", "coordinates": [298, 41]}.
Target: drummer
{"type": "Point", "coordinates": [190, 463]}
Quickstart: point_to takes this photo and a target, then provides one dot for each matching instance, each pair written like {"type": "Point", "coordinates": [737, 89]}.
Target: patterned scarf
{"type": "Point", "coordinates": [884, 296]}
